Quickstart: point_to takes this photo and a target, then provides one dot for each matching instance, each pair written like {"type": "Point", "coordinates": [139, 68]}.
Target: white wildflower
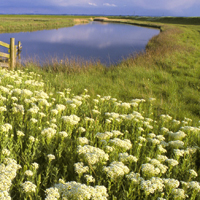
{"type": "Point", "coordinates": [28, 173]}
{"type": "Point", "coordinates": [72, 119]}
{"type": "Point", "coordinates": [5, 152]}
{"type": "Point", "coordinates": [89, 178]}
{"type": "Point", "coordinates": [161, 149]}
{"type": "Point", "coordinates": [49, 132]}
{"type": "Point", "coordinates": [162, 158]}
{"type": "Point", "coordinates": [116, 133]}
{"type": "Point", "coordinates": [116, 169]}
{"type": "Point", "coordinates": [171, 162]}
{"type": "Point", "coordinates": [176, 144]}
{"type": "Point", "coordinates": [171, 183]}
{"type": "Point", "coordinates": [74, 190]}
{"type": "Point", "coordinates": [135, 178]}
{"type": "Point", "coordinates": [160, 137]}
{"type": "Point", "coordinates": [60, 107]}
{"type": "Point", "coordinates": [20, 133]}
{"type": "Point", "coordinates": [52, 194]}
{"type": "Point", "coordinates": [3, 108]}
{"type": "Point", "coordinates": [149, 169]}
{"type": "Point", "coordinates": [124, 157]}
{"type": "Point", "coordinates": [150, 186]}
{"type": "Point", "coordinates": [33, 110]}
{"type": "Point", "coordinates": [125, 105]}
{"type": "Point", "coordinates": [165, 117]}
{"type": "Point", "coordinates": [179, 152]}
{"type": "Point", "coordinates": [83, 140]}
{"type": "Point", "coordinates": [176, 122]}
{"type": "Point", "coordinates": [81, 129]}
{"type": "Point", "coordinates": [31, 138]}
{"type": "Point", "coordinates": [125, 144]}
{"type": "Point", "coordinates": [92, 154]}
{"type": "Point", "coordinates": [194, 185]}
{"type": "Point", "coordinates": [35, 165]}
{"type": "Point", "coordinates": [33, 120]}
{"type": "Point", "coordinates": [18, 109]}
{"type": "Point", "coordinates": [94, 111]}
{"type": "Point", "coordinates": [63, 134]}
{"type": "Point", "coordinates": [80, 168]}
{"type": "Point", "coordinates": [178, 193]}
{"type": "Point", "coordinates": [26, 92]}
{"type": "Point", "coordinates": [51, 157]}
{"type": "Point", "coordinates": [177, 135]}
{"type": "Point", "coordinates": [193, 173]}
{"type": "Point", "coordinates": [104, 136]}
{"type": "Point", "coordinates": [142, 139]}
{"type": "Point", "coordinates": [109, 149]}
{"type": "Point", "coordinates": [54, 111]}
{"type": "Point", "coordinates": [28, 187]}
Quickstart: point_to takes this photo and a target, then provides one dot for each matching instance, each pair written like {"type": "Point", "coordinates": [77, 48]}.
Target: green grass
{"type": "Point", "coordinates": [169, 71]}
{"type": "Point", "coordinates": [17, 23]}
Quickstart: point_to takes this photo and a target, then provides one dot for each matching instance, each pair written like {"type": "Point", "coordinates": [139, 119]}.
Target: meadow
{"type": "Point", "coordinates": [59, 145]}
{"type": "Point", "coordinates": [80, 130]}
{"type": "Point", "coordinates": [19, 23]}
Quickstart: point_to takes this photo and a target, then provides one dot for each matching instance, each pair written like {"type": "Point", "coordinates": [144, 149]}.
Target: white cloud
{"type": "Point", "coordinates": [163, 4]}
{"type": "Point", "coordinates": [108, 4]}
{"type": "Point", "coordinates": [68, 2]}
{"type": "Point", "coordinates": [92, 4]}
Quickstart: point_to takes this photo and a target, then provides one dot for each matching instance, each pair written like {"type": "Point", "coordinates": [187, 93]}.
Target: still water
{"type": "Point", "coordinates": [109, 43]}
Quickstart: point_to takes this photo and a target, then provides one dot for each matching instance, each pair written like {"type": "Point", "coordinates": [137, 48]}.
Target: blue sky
{"type": "Point", "coordinates": [103, 7]}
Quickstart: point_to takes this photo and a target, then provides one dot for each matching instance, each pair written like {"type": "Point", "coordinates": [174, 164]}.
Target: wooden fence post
{"type": "Point", "coordinates": [19, 45]}
{"type": "Point", "coordinates": [19, 48]}
{"type": "Point", "coordinates": [12, 53]}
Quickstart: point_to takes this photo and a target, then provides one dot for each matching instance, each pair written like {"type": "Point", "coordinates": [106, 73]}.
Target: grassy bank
{"type": "Point", "coordinates": [169, 71]}
{"type": "Point", "coordinates": [18, 23]}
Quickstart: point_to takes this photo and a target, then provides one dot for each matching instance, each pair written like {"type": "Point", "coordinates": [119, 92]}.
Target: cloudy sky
{"type": "Point", "coordinates": [103, 7]}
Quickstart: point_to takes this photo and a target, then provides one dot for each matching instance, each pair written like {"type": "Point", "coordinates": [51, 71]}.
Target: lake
{"type": "Point", "coordinates": [108, 42]}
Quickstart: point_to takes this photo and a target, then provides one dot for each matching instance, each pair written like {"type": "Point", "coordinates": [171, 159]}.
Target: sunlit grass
{"type": "Point", "coordinates": [57, 144]}
{"type": "Point", "coordinates": [17, 23]}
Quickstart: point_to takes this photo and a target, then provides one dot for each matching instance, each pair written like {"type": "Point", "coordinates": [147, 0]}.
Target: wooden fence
{"type": "Point", "coordinates": [9, 59]}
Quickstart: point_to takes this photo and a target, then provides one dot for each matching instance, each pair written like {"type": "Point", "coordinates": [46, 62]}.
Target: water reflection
{"type": "Point", "coordinates": [109, 43]}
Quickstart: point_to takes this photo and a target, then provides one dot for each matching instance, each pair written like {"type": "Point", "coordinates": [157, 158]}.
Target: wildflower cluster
{"type": "Point", "coordinates": [92, 154]}
{"type": "Point", "coordinates": [8, 171]}
{"type": "Point", "coordinates": [76, 191]}
{"type": "Point", "coordinates": [105, 148]}
{"type": "Point", "coordinates": [116, 169]}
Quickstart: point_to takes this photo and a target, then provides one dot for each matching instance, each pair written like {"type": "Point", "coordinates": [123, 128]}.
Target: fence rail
{"type": "Point", "coordinates": [9, 59]}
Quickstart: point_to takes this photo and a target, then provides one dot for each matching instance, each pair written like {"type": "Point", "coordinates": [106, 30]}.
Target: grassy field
{"type": "Point", "coordinates": [168, 71]}
{"type": "Point", "coordinates": [80, 130]}
{"type": "Point", "coordinates": [17, 23]}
